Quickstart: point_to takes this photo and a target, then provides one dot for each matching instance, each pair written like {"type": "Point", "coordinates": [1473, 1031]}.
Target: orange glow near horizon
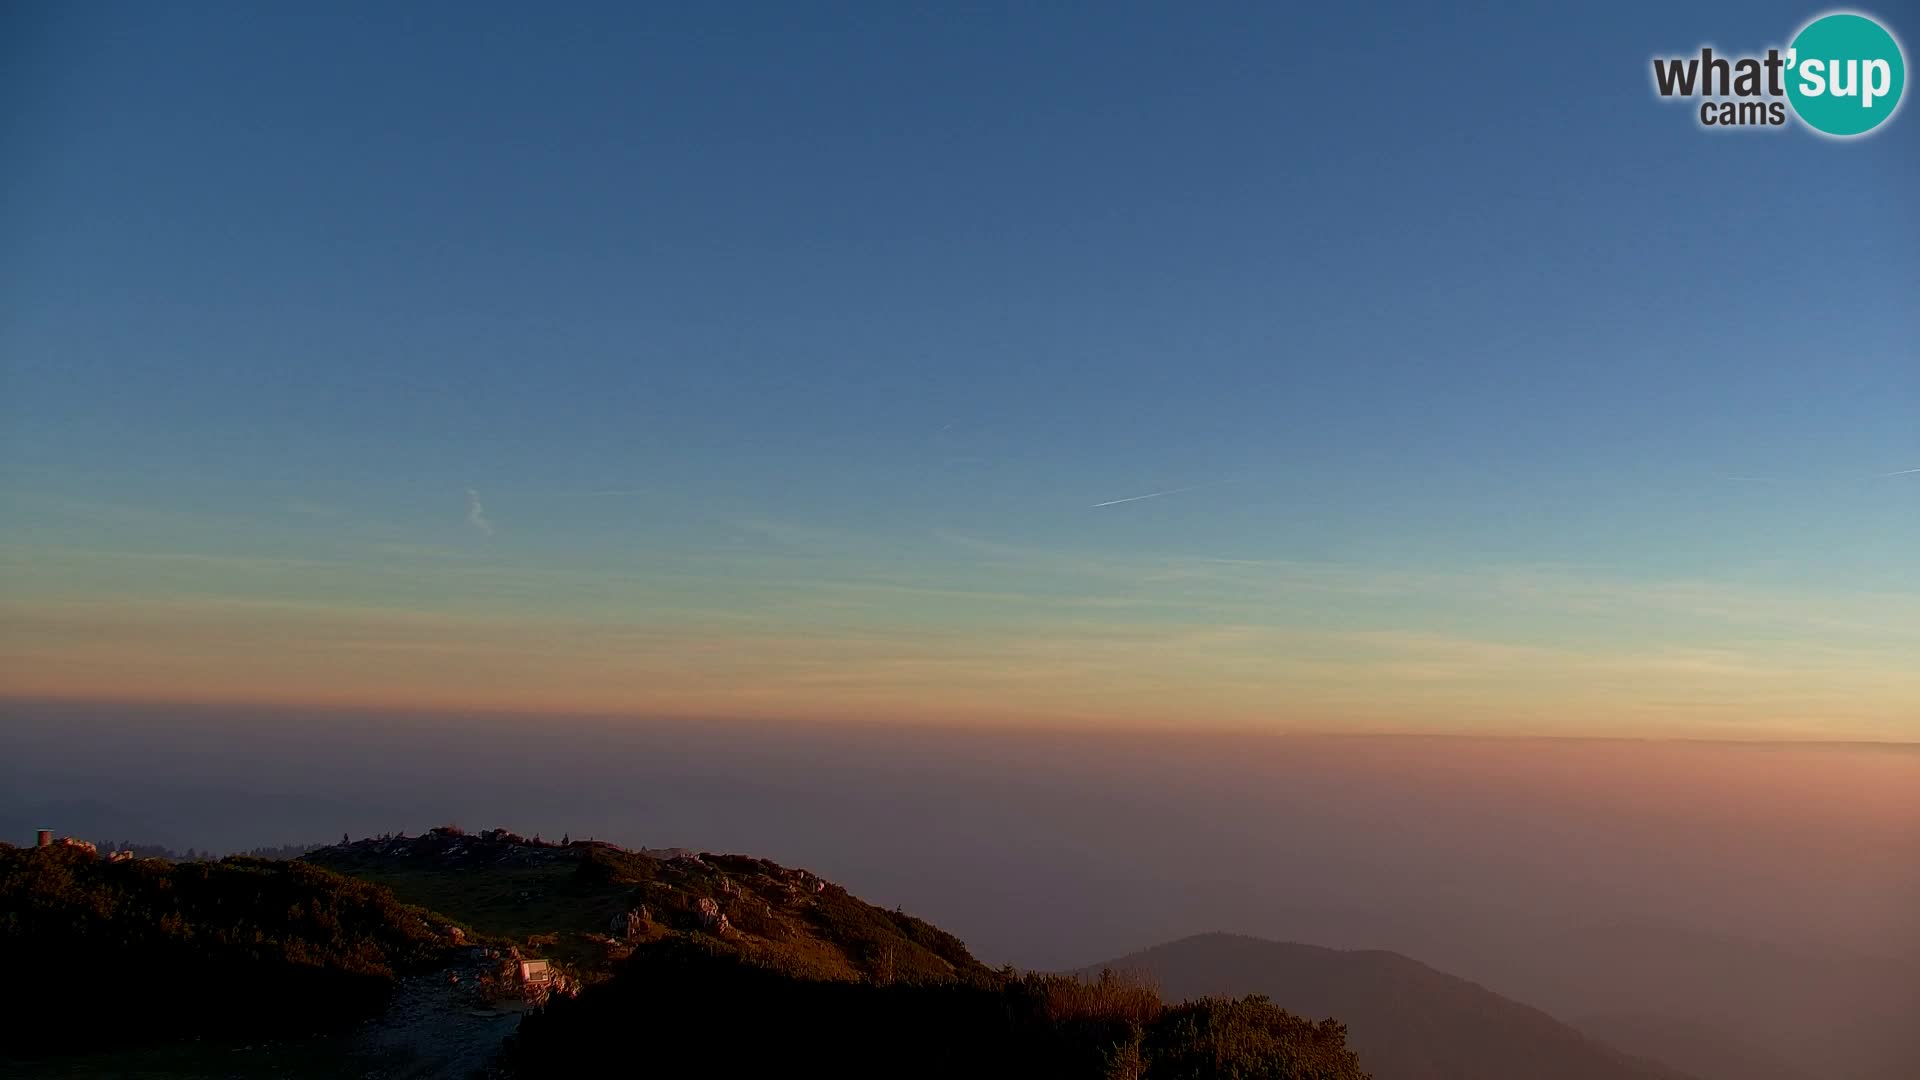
{"type": "Point", "coordinates": [1280, 648]}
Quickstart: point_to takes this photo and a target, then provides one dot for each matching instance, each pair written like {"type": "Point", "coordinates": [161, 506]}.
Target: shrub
{"type": "Point", "coordinates": [731, 1016]}
{"type": "Point", "coordinates": [245, 945]}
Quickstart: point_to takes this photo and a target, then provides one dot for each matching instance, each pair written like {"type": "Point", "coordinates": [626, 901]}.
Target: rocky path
{"type": "Point", "coordinates": [433, 1031]}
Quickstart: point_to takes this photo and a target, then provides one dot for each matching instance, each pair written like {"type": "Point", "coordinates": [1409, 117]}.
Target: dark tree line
{"type": "Point", "coordinates": [161, 851]}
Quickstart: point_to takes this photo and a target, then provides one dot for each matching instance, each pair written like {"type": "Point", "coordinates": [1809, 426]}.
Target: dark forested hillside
{"type": "Point", "coordinates": [683, 1006]}
{"type": "Point", "coordinates": [144, 949]}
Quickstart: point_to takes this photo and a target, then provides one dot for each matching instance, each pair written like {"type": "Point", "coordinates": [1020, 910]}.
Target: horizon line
{"type": "Point", "coordinates": [983, 726]}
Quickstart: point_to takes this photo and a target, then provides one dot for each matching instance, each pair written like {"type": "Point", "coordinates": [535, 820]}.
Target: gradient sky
{"type": "Point", "coordinates": [770, 364]}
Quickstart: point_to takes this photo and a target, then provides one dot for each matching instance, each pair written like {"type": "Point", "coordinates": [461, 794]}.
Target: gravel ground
{"type": "Point", "coordinates": [434, 1031]}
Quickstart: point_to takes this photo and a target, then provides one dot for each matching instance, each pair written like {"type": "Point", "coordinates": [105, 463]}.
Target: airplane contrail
{"type": "Point", "coordinates": [1901, 472]}
{"type": "Point", "coordinates": [1157, 494]}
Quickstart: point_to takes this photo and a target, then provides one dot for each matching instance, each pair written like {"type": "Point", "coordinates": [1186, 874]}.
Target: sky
{"type": "Point", "coordinates": [776, 364]}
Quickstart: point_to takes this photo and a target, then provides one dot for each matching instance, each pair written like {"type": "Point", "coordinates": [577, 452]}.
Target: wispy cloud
{"type": "Point", "coordinates": [477, 513]}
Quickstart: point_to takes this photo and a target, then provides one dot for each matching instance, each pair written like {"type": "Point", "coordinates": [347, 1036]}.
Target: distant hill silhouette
{"type": "Point", "coordinates": [1405, 1020]}
{"type": "Point", "coordinates": [1704, 998]}
{"type": "Point", "coordinates": [1700, 1049]}
{"type": "Point", "coordinates": [87, 819]}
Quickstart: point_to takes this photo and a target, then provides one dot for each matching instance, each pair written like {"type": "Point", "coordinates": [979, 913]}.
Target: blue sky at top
{"type": "Point", "coordinates": [1440, 290]}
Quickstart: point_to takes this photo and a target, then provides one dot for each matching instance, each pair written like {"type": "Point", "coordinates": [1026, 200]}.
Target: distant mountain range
{"type": "Point", "coordinates": [1701, 1049]}
{"type": "Point", "coordinates": [1404, 1019]}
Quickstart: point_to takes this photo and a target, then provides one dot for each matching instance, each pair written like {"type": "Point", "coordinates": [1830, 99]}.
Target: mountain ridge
{"type": "Point", "coordinates": [1406, 1019]}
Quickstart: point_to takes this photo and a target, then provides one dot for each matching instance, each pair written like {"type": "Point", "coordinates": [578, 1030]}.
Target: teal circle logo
{"type": "Point", "coordinates": [1845, 73]}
